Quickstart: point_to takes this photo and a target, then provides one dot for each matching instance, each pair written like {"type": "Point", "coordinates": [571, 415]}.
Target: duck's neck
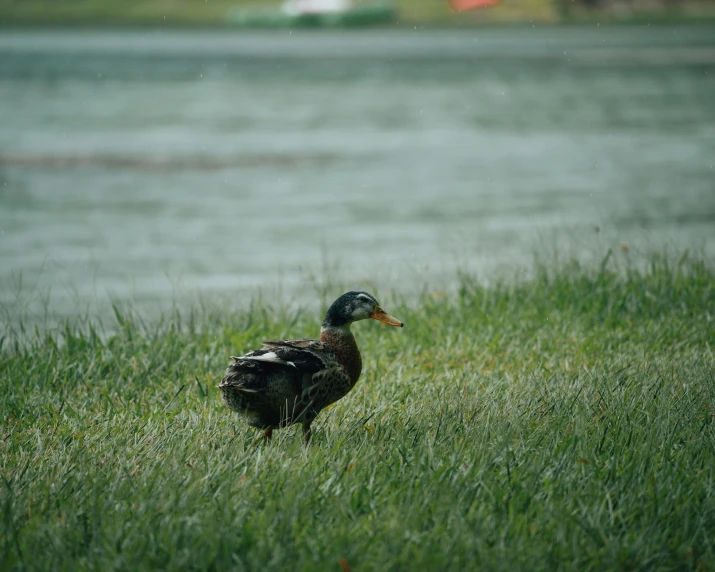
{"type": "Point", "coordinates": [342, 343]}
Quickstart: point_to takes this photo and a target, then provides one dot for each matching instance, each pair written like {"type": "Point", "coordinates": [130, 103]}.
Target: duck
{"type": "Point", "coordinates": [291, 381]}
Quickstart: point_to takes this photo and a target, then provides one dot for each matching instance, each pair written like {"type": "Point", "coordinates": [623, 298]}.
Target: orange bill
{"type": "Point", "coordinates": [382, 316]}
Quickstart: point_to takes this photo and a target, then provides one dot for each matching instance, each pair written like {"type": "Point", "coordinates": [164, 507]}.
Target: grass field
{"type": "Point", "coordinates": [562, 422]}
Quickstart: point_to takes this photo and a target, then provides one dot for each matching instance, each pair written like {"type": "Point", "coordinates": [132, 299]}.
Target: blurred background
{"type": "Point", "coordinates": [154, 151]}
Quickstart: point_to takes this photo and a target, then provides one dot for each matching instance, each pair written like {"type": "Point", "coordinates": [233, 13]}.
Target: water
{"type": "Point", "coordinates": [154, 165]}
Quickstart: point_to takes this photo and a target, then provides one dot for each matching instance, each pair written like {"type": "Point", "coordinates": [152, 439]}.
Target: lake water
{"type": "Point", "coordinates": [151, 165]}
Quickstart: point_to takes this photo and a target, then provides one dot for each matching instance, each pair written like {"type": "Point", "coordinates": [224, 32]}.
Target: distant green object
{"type": "Point", "coordinates": [358, 17]}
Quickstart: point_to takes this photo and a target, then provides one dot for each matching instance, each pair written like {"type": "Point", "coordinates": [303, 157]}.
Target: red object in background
{"type": "Point", "coordinates": [464, 5]}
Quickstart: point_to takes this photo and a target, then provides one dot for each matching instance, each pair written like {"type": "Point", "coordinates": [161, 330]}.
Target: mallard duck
{"type": "Point", "coordinates": [290, 381]}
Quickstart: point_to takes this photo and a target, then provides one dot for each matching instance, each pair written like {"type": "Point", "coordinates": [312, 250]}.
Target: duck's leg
{"type": "Point", "coordinates": [267, 434]}
{"type": "Point", "coordinates": [307, 432]}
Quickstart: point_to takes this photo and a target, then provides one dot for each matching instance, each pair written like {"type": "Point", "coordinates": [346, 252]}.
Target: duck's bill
{"type": "Point", "coordinates": [381, 316]}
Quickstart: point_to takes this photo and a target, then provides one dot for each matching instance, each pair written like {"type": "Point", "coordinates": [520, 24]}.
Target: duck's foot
{"type": "Point", "coordinates": [267, 434]}
{"type": "Point", "coordinates": [307, 432]}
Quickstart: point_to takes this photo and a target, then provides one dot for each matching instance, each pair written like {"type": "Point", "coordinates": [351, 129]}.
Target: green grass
{"type": "Point", "coordinates": [562, 422]}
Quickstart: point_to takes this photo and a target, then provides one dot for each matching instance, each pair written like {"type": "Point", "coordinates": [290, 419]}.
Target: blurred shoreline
{"type": "Point", "coordinates": [142, 165]}
{"type": "Point", "coordinates": [411, 13]}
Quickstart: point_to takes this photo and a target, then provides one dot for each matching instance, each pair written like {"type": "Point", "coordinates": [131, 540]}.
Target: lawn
{"type": "Point", "coordinates": [560, 421]}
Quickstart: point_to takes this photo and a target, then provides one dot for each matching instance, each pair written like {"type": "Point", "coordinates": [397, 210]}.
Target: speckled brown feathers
{"type": "Point", "coordinates": [345, 349]}
{"type": "Point", "coordinates": [271, 394]}
{"type": "Point", "coordinates": [290, 381]}
{"type": "Point", "coordinates": [262, 392]}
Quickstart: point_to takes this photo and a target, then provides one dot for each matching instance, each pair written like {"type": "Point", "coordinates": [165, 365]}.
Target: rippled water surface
{"type": "Point", "coordinates": [145, 164]}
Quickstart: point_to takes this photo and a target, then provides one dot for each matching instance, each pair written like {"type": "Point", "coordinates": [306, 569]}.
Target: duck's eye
{"type": "Point", "coordinates": [363, 298]}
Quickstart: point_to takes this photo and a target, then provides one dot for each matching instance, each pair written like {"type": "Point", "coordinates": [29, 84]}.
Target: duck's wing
{"type": "Point", "coordinates": [324, 380]}
{"type": "Point", "coordinates": [264, 389]}
{"type": "Point", "coordinates": [307, 355]}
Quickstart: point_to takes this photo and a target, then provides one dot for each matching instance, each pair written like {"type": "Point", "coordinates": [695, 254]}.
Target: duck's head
{"type": "Point", "coordinates": [353, 306]}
